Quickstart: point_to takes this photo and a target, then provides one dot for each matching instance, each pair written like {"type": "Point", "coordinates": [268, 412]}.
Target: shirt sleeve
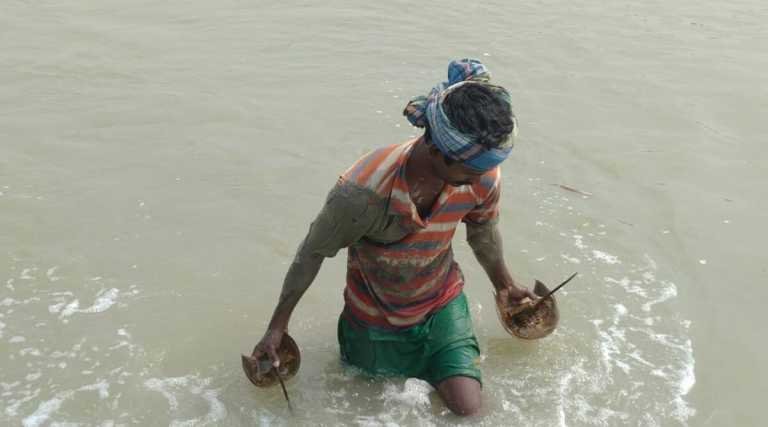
{"type": "Point", "coordinates": [488, 192]}
{"type": "Point", "coordinates": [349, 212]}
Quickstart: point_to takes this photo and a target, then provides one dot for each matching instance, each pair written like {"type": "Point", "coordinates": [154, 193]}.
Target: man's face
{"type": "Point", "coordinates": [455, 173]}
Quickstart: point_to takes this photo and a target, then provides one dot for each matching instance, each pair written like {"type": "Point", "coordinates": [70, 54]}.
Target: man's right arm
{"type": "Point", "coordinates": [347, 215]}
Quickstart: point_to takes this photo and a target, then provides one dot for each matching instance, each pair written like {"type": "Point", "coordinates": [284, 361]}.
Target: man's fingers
{"type": "Point", "coordinates": [273, 356]}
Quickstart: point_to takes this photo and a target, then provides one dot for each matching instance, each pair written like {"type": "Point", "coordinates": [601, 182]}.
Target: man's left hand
{"type": "Point", "coordinates": [513, 295]}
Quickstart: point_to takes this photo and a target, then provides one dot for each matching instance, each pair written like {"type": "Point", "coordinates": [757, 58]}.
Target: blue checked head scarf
{"type": "Point", "coordinates": [424, 111]}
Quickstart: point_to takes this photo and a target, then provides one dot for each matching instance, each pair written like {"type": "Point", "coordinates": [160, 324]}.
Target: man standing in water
{"type": "Point", "coordinates": [396, 210]}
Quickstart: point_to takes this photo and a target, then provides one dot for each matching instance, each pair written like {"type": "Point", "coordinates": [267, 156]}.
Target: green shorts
{"type": "Point", "coordinates": [440, 347]}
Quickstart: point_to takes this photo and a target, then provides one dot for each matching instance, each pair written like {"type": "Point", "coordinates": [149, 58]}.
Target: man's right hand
{"type": "Point", "coordinates": [267, 346]}
{"type": "Point", "coordinates": [511, 298]}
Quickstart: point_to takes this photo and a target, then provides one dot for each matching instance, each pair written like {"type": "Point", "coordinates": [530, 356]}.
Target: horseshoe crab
{"type": "Point", "coordinates": [532, 319]}
{"type": "Point", "coordinates": [290, 359]}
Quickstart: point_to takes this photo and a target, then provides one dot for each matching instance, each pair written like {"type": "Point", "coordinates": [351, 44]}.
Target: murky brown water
{"type": "Point", "coordinates": [159, 164]}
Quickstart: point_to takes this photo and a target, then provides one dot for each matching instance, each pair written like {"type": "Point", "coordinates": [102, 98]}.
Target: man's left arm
{"type": "Point", "coordinates": [484, 238]}
{"type": "Point", "coordinates": [485, 241]}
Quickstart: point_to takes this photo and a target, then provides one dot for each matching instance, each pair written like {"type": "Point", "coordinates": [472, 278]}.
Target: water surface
{"type": "Point", "coordinates": [159, 164]}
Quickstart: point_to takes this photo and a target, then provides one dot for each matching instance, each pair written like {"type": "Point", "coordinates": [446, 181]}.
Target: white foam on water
{"type": "Point", "coordinates": [564, 383]}
{"type": "Point", "coordinates": [102, 387]}
{"type": "Point", "coordinates": [171, 388]}
{"type": "Point", "coordinates": [627, 285]}
{"type": "Point", "coordinates": [510, 407]}
{"type": "Point", "coordinates": [415, 393]}
{"type": "Point", "coordinates": [402, 403]}
{"type": "Point", "coordinates": [611, 339]}
{"type": "Point", "coordinates": [62, 293]}
{"type": "Point", "coordinates": [16, 339]}
{"type": "Point", "coordinates": [638, 357]}
{"type": "Point", "coordinates": [104, 300]}
{"type": "Point", "coordinates": [59, 354]}
{"type": "Point", "coordinates": [650, 263]}
{"type": "Point", "coordinates": [672, 360]}
{"type": "Point", "coordinates": [29, 351]}
{"type": "Point", "coordinates": [605, 257]}
{"type": "Point", "coordinates": [371, 421]}
{"type": "Point", "coordinates": [216, 411]}
{"type": "Point", "coordinates": [25, 274]}
{"type": "Point", "coordinates": [668, 341]}
{"type": "Point", "coordinates": [48, 407]}
{"type": "Point", "coordinates": [621, 310]}
{"type": "Point", "coordinates": [70, 309]}
{"type": "Point", "coordinates": [623, 366]}
{"type": "Point", "coordinates": [572, 260]}
{"type": "Point", "coordinates": [163, 386]}
{"type": "Point", "coordinates": [9, 386]}
{"type": "Point", "coordinates": [578, 241]}
{"type": "Point", "coordinates": [45, 410]}
{"type": "Point", "coordinates": [668, 291]}
{"type": "Point", "coordinates": [686, 380]}
{"type": "Point", "coordinates": [56, 308]}
{"type": "Point", "coordinates": [12, 409]}
{"type": "Point", "coordinates": [50, 274]}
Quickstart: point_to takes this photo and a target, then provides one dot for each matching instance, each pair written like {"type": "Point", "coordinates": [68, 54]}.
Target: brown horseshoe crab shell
{"type": "Point", "coordinates": [290, 360]}
{"type": "Point", "coordinates": [528, 322]}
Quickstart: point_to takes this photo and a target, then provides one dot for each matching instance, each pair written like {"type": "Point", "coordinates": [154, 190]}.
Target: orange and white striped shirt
{"type": "Point", "coordinates": [400, 266]}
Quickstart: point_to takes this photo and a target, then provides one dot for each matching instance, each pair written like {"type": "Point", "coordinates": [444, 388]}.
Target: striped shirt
{"type": "Point", "coordinates": [400, 266]}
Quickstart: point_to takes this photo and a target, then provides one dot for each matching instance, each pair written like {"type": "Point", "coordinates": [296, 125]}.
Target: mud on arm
{"type": "Point", "coordinates": [485, 241]}
{"type": "Point", "coordinates": [345, 218]}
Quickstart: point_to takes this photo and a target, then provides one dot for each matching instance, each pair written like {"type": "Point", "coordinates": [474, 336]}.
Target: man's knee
{"type": "Point", "coordinates": [465, 407]}
{"type": "Point", "coordinates": [461, 395]}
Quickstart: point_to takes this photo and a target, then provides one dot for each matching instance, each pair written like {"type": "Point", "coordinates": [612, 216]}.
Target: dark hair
{"type": "Point", "coordinates": [477, 110]}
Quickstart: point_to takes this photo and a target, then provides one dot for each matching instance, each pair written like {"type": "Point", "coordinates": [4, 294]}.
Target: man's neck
{"type": "Point", "coordinates": [424, 185]}
{"type": "Point", "coordinates": [419, 169]}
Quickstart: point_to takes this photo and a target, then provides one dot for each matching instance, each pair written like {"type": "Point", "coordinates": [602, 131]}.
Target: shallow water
{"type": "Point", "coordinates": [160, 163]}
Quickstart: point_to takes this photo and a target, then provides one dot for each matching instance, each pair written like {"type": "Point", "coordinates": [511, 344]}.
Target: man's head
{"type": "Point", "coordinates": [480, 111]}
{"type": "Point", "coordinates": [467, 119]}
{"type": "Point", "coordinates": [476, 110]}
